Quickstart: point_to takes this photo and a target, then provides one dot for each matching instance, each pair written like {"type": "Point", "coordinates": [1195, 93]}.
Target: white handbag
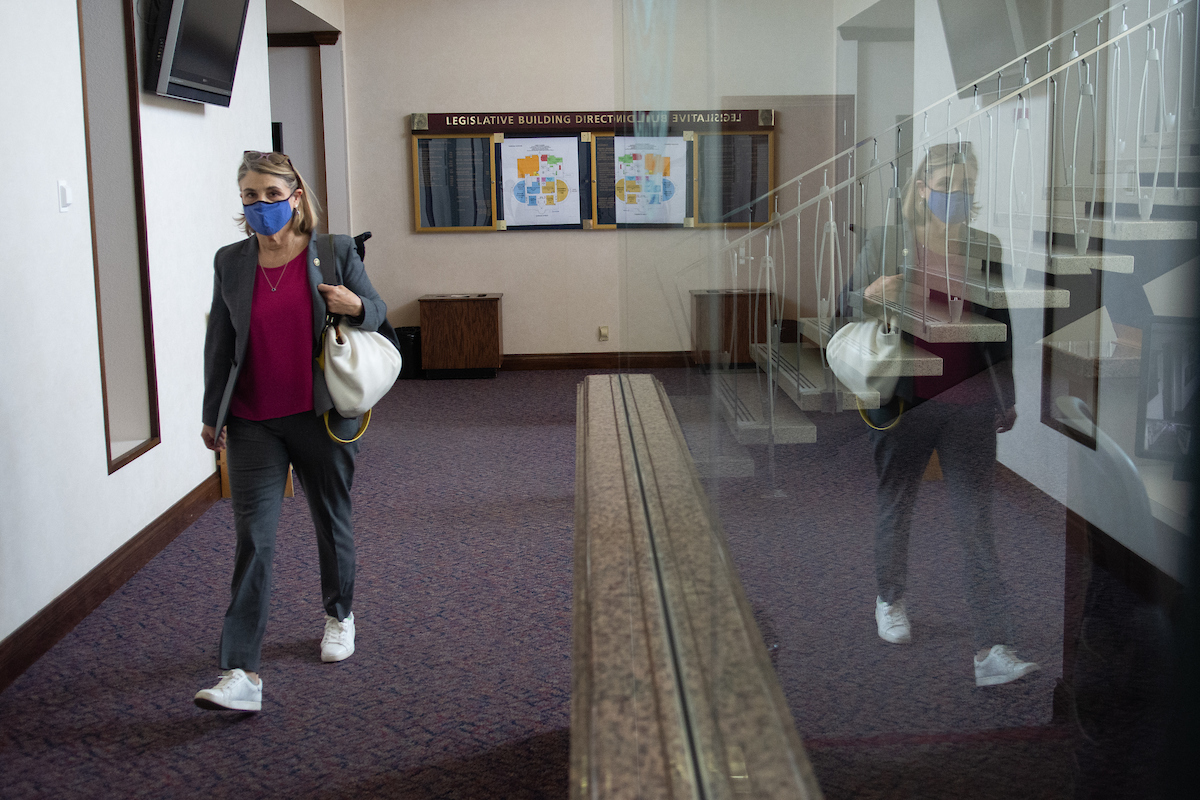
{"type": "Point", "coordinates": [360, 367]}
{"type": "Point", "coordinates": [865, 356]}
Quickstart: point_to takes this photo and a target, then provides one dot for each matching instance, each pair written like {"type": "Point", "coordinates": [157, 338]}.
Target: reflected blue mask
{"type": "Point", "coordinates": [269, 218]}
{"type": "Point", "coordinates": [951, 208]}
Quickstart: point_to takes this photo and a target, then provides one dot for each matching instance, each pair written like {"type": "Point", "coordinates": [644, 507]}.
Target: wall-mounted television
{"type": "Point", "coordinates": [193, 50]}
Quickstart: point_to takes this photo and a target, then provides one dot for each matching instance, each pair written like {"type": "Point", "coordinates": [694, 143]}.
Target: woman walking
{"type": "Point", "coordinates": [265, 403]}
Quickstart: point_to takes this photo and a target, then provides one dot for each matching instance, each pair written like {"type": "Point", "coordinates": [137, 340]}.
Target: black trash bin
{"type": "Point", "coordinates": [410, 351]}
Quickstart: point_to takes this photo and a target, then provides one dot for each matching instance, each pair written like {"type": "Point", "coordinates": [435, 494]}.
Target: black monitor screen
{"type": "Point", "coordinates": [209, 35]}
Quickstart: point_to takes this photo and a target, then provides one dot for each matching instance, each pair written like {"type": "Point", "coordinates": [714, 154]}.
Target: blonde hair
{"type": "Point", "coordinates": [308, 211]}
{"type": "Point", "coordinates": [940, 156]}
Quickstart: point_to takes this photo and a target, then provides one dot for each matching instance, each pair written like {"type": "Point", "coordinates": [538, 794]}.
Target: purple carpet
{"type": "Point", "coordinates": [460, 684]}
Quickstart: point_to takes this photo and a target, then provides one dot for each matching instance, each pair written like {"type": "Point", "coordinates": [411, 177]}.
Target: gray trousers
{"type": "Point", "coordinates": [965, 438]}
{"type": "Point", "coordinates": [257, 456]}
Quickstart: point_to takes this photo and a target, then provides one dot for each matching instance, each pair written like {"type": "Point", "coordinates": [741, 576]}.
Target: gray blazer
{"type": "Point", "coordinates": [229, 321]}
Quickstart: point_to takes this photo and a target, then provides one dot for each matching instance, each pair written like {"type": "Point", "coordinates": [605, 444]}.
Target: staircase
{"type": "Point", "coordinates": [1064, 137]}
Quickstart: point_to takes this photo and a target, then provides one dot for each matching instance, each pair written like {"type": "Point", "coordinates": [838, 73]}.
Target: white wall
{"type": "Point", "coordinates": [62, 512]}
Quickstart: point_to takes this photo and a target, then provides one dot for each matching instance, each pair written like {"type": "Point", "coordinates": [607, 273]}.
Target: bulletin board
{"type": "Point", "coordinates": [454, 187]}
{"type": "Point", "coordinates": [734, 173]}
{"type": "Point", "coordinates": [591, 170]}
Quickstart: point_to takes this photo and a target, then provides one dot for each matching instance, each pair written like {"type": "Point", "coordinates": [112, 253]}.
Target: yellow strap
{"type": "Point", "coordinates": [362, 428]}
{"type": "Point", "coordinates": [862, 413]}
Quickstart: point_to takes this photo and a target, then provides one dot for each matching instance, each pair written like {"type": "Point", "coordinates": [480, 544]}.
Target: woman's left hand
{"type": "Point", "coordinates": [1005, 420]}
{"type": "Point", "coordinates": [340, 300]}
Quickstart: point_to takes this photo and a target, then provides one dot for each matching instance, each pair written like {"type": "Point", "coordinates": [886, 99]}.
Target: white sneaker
{"type": "Point", "coordinates": [891, 620]}
{"type": "Point", "coordinates": [338, 642]}
{"type": "Point", "coordinates": [1001, 666]}
{"type": "Point", "coordinates": [234, 692]}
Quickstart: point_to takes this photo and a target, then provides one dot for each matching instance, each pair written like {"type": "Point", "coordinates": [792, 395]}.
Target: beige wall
{"type": "Point", "coordinates": [405, 56]}
{"type": "Point", "coordinates": [477, 55]}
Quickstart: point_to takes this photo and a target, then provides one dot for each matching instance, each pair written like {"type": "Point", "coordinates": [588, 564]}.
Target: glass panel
{"type": "Point", "coordinates": [930, 378]}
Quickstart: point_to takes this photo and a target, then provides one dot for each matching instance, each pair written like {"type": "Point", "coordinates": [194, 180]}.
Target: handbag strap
{"type": "Point", "coordinates": [362, 428]}
{"type": "Point", "coordinates": [862, 412]}
{"type": "Point", "coordinates": [325, 256]}
{"type": "Point", "coordinates": [328, 266]}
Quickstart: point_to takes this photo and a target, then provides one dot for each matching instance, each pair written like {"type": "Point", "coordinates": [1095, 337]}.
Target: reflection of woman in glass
{"type": "Point", "coordinates": [958, 413]}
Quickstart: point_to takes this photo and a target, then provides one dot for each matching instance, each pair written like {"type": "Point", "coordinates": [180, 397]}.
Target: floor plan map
{"type": "Point", "coordinates": [541, 181]}
{"type": "Point", "coordinates": [651, 175]}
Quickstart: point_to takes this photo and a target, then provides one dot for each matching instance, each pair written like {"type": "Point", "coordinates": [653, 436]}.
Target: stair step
{"type": "Point", "coordinates": [1168, 151]}
{"type": "Point", "coordinates": [1187, 163]}
{"type": "Point", "coordinates": [991, 292]}
{"type": "Point", "coordinates": [1061, 260]}
{"type": "Point", "coordinates": [1121, 230]}
{"type": "Point", "coordinates": [802, 376]}
{"type": "Point", "coordinates": [748, 412]}
{"type": "Point", "coordinates": [1163, 195]}
{"type": "Point", "coordinates": [1064, 261]}
{"type": "Point", "coordinates": [1191, 137]}
{"type": "Point", "coordinates": [929, 319]}
{"type": "Point", "coordinates": [798, 371]}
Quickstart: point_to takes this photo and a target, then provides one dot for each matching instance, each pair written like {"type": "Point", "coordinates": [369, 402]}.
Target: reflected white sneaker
{"type": "Point", "coordinates": [338, 642]}
{"type": "Point", "coordinates": [892, 622]}
{"type": "Point", "coordinates": [234, 692]}
{"type": "Point", "coordinates": [1001, 666]}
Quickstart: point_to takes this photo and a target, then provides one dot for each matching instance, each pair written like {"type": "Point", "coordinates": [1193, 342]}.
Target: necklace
{"type": "Point", "coordinates": [275, 285]}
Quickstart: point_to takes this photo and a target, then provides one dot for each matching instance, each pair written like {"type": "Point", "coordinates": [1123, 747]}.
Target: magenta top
{"type": "Point", "coordinates": [276, 376]}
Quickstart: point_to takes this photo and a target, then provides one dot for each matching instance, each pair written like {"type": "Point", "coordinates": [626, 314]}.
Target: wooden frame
{"type": "Point", "coordinates": [596, 225]}
{"type": "Point", "coordinates": [503, 190]}
{"type": "Point", "coordinates": [491, 140]}
{"type": "Point", "coordinates": [698, 175]}
{"type": "Point", "coordinates": [139, 213]}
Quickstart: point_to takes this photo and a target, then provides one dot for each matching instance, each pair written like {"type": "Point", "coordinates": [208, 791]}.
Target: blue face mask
{"type": "Point", "coordinates": [269, 218]}
{"type": "Point", "coordinates": [951, 208]}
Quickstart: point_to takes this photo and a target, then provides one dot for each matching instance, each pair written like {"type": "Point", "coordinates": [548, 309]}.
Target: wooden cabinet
{"type": "Point", "coordinates": [461, 332]}
{"type": "Point", "coordinates": [724, 322]}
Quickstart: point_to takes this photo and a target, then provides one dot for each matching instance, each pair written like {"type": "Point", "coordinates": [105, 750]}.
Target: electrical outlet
{"type": "Point", "coordinates": [604, 333]}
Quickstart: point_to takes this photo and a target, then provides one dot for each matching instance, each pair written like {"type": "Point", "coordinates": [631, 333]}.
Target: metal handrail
{"type": "Point", "coordinates": [1002, 98]}
{"type": "Point", "coordinates": [977, 113]}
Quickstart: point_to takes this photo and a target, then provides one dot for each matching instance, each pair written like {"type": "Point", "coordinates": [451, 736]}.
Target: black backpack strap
{"type": "Point", "coordinates": [325, 256]}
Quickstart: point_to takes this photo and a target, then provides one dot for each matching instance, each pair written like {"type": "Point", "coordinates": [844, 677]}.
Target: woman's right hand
{"type": "Point", "coordinates": [888, 287]}
{"type": "Point", "coordinates": [211, 440]}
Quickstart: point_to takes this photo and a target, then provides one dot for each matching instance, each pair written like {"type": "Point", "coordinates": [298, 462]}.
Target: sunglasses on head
{"type": "Point", "coordinates": [274, 158]}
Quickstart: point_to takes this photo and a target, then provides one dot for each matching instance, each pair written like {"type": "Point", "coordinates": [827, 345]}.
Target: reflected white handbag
{"type": "Point", "coordinates": [865, 356]}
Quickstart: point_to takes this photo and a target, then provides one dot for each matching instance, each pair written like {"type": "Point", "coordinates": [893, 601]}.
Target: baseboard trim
{"type": "Point", "coordinates": [31, 641]}
{"type": "Point", "coordinates": [622, 361]}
